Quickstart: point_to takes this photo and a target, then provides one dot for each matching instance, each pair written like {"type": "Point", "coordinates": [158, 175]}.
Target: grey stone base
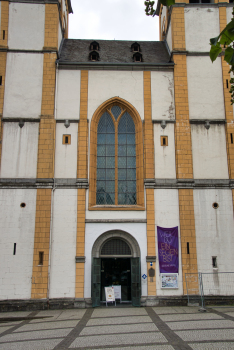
{"type": "Point", "coordinates": [72, 303]}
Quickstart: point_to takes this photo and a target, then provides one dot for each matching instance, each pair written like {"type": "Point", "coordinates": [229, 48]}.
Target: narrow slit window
{"type": "Point", "coordinates": [214, 261]}
{"type": "Point", "coordinates": [0, 80]}
{"type": "Point", "coordinates": [227, 83]}
{"type": "Point", "coordinates": [14, 249]}
{"type": "Point", "coordinates": [164, 140]}
{"type": "Point", "coordinates": [188, 248]}
{"type": "Point", "coordinates": [41, 258]}
{"type": "Point", "coordinates": [66, 139]}
{"type": "Point", "coordinates": [3, 34]}
{"type": "Point", "coordinates": [231, 138]}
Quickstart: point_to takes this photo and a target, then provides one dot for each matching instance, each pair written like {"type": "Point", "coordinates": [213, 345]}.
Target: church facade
{"type": "Point", "coordinates": [101, 143]}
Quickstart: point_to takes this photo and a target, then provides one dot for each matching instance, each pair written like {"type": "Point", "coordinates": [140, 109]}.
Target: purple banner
{"type": "Point", "coordinates": [168, 249]}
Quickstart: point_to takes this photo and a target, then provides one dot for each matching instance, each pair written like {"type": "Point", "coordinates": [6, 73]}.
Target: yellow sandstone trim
{"type": "Point", "coordinates": [227, 101]}
{"type": "Point", "coordinates": [46, 148]}
{"type": "Point", "coordinates": [41, 244]}
{"type": "Point", "coordinates": [184, 161]}
{"type": "Point", "coordinates": [4, 23]}
{"type": "Point", "coordinates": [150, 227]}
{"type": "Point", "coordinates": [178, 29]}
{"type": "Point", "coordinates": [51, 26]}
{"type": "Point", "coordinates": [188, 234]}
{"type": "Point", "coordinates": [48, 88]}
{"type": "Point", "coordinates": [80, 242]}
{"type": "Point", "coordinates": [148, 128]}
{"type": "Point", "coordinates": [82, 162]}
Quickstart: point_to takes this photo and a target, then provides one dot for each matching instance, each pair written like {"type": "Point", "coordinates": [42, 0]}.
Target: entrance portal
{"type": "Point", "coordinates": [116, 261]}
{"type": "Point", "coordinates": [116, 271]}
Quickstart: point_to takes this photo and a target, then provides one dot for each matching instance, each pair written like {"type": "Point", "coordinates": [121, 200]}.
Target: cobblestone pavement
{"type": "Point", "coordinates": [161, 328]}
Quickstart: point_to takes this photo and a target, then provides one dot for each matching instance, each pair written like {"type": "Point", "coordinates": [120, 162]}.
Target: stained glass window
{"type": "Point", "coordinates": [113, 187]}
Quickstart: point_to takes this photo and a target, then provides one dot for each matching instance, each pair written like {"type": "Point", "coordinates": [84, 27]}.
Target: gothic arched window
{"type": "Point", "coordinates": [116, 172]}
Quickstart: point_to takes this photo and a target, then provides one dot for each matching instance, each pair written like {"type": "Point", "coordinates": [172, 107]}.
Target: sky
{"type": "Point", "coordinates": [112, 19]}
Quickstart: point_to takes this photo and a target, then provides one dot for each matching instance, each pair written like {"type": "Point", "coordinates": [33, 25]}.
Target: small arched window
{"type": "Point", "coordinates": [135, 47]}
{"type": "Point", "coordinates": [94, 56]}
{"type": "Point", "coordinates": [137, 57]}
{"type": "Point", "coordinates": [94, 46]}
{"type": "Point", "coordinates": [116, 159]}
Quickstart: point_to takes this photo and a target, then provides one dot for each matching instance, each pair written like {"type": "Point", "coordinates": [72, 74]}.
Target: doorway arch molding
{"type": "Point", "coordinates": [106, 236]}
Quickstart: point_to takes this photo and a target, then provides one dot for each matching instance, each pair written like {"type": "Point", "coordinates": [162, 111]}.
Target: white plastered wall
{"type": "Point", "coordinates": [164, 14]}
{"type": "Point", "coordinates": [60, 35]}
{"type": "Point", "coordinates": [94, 230]}
{"type": "Point", "coordinates": [209, 152]}
{"type": "Point", "coordinates": [164, 156]}
{"type": "Point", "coordinates": [162, 95]}
{"type": "Point", "coordinates": [63, 250]}
{"type": "Point", "coordinates": [205, 88]}
{"type": "Point", "coordinates": [201, 24]}
{"type": "Point", "coordinates": [23, 86]}
{"type": "Point", "coordinates": [229, 14]}
{"type": "Point", "coordinates": [17, 225]}
{"type": "Point", "coordinates": [214, 238]}
{"type": "Point", "coordinates": [19, 150]}
{"type": "Point", "coordinates": [167, 215]}
{"type": "Point", "coordinates": [66, 154]}
{"type": "Point", "coordinates": [169, 37]}
{"type": "Point", "coordinates": [26, 26]}
{"type": "Point", "coordinates": [68, 94]}
{"type": "Point", "coordinates": [104, 85]}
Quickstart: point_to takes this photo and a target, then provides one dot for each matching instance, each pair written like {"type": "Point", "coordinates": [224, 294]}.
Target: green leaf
{"type": "Point", "coordinates": [227, 37]}
{"type": "Point", "coordinates": [213, 41]}
{"type": "Point", "coordinates": [229, 55]}
{"type": "Point", "coordinates": [215, 51]}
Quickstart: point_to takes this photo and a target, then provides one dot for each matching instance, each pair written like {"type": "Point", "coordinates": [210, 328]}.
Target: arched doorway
{"type": "Point", "coordinates": [116, 261]}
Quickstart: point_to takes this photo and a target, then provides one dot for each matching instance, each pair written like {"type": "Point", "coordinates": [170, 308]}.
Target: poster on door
{"type": "Point", "coordinates": [168, 255]}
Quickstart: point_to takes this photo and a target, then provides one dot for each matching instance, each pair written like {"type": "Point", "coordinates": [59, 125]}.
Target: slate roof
{"type": "Point", "coordinates": [113, 51]}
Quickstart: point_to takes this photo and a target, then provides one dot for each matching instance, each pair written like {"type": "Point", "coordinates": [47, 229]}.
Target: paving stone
{"type": "Point", "coordinates": [201, 324]}
{"type": "Point", "coordinates": [14, 314]}
{"type": "Point", "coordinates": [175, 310]}
{"type": "Point", "coordinates": [47, 325]}
{"type": "Point", "coordinates": [111, 312]}
{"type": "Point", "coordinates": [223, 309]}
{"type": "Point", "coordinates": [118, 320]}
{"type": "Point", "coordinates": [59, 315]}
{"type": "Point", "coordinates": [213, 346]}
{"type": "Point", "coordinates": [188, 317]}
{"type": "Point", "coordinates": [150, 327]}
{"type": "Point", "coordinates": [55, 333]}
{"type": "Point", "coordinates": [120, 339]}
{"type": "Point", "coordinates": [147, 347]}
{"type": "Point", "coordinates": [31, 345]}
{"type": "Point", "coordinates": [201, 335]}
{"type": "Point", "coordinates": [3, 324]}
{"type": "Point", "coordinates": [3, 329]}
{"type": "Point", "coordinates": [230, 314]}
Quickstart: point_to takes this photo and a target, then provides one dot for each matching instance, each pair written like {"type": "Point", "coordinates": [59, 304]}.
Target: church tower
{"type": "Point", "coordinates": [204, 123]}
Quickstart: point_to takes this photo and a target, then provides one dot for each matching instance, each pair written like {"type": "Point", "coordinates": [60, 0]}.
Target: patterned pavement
{"type": "Point", "coordinates": [150, 328]}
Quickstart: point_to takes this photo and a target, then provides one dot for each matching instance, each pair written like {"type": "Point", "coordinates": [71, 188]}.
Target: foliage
{"type": "Point", "coordinates": [224, 43]}
{"type": "Point", "coordinates": [149, 6]}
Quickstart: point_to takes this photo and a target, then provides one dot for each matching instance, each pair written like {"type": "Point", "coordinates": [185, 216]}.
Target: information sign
{"type": "Point", "coordinates": [169, 280]}
{"type": "Point", "coordinates": [110, 294]}
{"type": "Point", "coordinates": [117, 291]}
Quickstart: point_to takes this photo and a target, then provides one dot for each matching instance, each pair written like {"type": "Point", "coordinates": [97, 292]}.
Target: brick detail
{"type": "Point", "coordinates": [150, 227]}
{"type": "Point", "coordinates": [4, 23]}
{"type": "Point", "coordinates": [48, 88]}
{"type": "Point", "coordinates": [46, 148]}
{"type": "Point", "coordinates": [178, 29]}
{"type": "Point", "coordinates": [148, 128]}
{"type": "Point", "coordinates": [51, 26]}
{"type": "Point", "coordinates": [227, 101]}
{"type": "Point", "coordinates": [82, 163]}
{"type": "Point", "coordinates": [41, 244]}
{"type": "Point", "coordinates": [188, 234]}
{"type": "Point", "coordinates": [184, 161]}
{"type": "Point", "coordinates": [80, 242]}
